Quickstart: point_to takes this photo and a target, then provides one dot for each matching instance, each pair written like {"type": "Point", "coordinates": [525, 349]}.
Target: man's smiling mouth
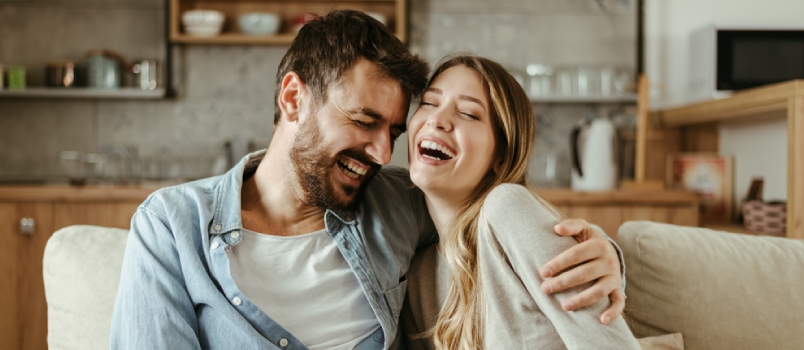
{"type": "Point", "coordinates": [352, 169]}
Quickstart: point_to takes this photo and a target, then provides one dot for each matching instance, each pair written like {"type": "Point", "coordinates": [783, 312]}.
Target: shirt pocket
{"type": "Point", "coordinates": [395, 298]}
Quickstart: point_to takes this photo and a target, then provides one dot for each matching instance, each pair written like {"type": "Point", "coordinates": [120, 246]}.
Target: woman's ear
{"type": "Point", "coordinates": [497, 167]}
{"type": "Point", "coordinates": [290, 96]}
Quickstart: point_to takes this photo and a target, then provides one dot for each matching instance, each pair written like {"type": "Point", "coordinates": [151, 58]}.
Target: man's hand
{"type": "Point", "coordinates": [593, 260]}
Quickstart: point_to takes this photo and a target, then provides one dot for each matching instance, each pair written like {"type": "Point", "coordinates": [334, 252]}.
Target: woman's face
{"type": "Point", "coordinates": [450, 136]}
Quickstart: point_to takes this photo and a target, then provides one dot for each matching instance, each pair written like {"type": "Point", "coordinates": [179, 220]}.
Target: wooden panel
{"type": "Point", "coordinates": [795, 168]}
{"type": "Point", "coordinates": [609, 218]}
{"type": "Point", "coordinates": [700, 138]}
{"type": "Point", "coordinates": [100, 214]}
{"type": "Point", "coordinates": [23, 321]}
{"type": "Point", "coordinates": [75, 194]}
{"type": "Point", "coordinates": [657, 214]}
{"type": "Point", "coordinates": [568, 197]}
{"type": "Point", "coordinates": [685, 216]}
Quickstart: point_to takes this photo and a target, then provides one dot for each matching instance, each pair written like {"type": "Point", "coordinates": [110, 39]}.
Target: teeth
{"type": "Point", "coordinates": [434, 146]}
{"type": "Point", "coordinates": [354, 170]}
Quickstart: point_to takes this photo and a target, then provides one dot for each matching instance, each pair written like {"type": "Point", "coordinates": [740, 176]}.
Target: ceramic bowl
{"type": "Point", "coordinates": [259, 23]}
{"type": "Point", "coordinates": [202, 22]}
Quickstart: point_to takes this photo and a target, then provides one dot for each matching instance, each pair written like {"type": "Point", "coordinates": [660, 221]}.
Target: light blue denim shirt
{"type": "Point", "coordinates": [176, 290]}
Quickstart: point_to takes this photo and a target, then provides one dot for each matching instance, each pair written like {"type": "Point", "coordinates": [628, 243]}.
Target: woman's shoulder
{"type": "Point", "coordinates": [511, 201]}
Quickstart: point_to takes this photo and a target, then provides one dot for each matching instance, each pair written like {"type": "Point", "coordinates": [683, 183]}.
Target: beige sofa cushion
{"type": "Point", "coordinates": [81, 269]}
{"type": "Point", "coordinates": [719, 290]}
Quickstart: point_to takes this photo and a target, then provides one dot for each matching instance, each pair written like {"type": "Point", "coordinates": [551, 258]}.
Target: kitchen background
{"type": "Point", "coordinates": [225, 91]}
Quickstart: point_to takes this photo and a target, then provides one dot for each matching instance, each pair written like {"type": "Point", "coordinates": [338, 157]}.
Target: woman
{"type": "Point", "coordinates": [470, 141]}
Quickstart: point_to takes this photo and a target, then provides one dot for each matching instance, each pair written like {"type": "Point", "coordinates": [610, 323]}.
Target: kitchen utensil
{"type": "Point", "coordinates": [594, 167]}
{"type": "Point", "coordinates": [60, 74]}
{"type": "Point", "coordinates": [259, 23]}
{"type": "Point", "coordinates": [203, 22]}
{"type": "Point", "coordinates": [103, 71]}
{"type": "Point", "coordinates": [145, 74]}
{"type": "Point", "coordinates": [16, 78]}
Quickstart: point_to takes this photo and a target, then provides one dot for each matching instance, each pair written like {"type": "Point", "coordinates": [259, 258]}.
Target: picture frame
{"type": "Point", "coordinates": [711, 175]}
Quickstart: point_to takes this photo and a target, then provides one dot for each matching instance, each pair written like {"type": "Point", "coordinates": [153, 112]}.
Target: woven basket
{"type": "Point", "coordinates": [767, 218]}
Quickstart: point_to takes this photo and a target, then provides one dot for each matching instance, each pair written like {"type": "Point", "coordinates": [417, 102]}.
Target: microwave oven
{"type": "Point", "coordinates": [729, 57]}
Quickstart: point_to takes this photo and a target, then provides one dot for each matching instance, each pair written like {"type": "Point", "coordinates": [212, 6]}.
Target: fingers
{"type": "Point", "coordinates": [588, 272]}
{"type": "Point", "coordinates": [615, 309]}
{"type": "Point", "coordinates": [598, 291]}
{"type": "Point", "coordinates": [571, 227]}
{"type": "Point", "coordinates": [587, 250]}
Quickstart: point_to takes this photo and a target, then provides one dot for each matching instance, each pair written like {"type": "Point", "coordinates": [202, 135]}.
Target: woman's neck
{"type": "Point", "coordinates": [442, 210]}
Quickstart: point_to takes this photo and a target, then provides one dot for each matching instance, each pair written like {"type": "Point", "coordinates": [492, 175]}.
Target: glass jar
{"type": "Point", "coordinates": [102, 71]}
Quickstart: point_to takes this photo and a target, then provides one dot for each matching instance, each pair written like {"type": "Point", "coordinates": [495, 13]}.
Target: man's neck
{"type": "Point", "coordinates": [271, 201]}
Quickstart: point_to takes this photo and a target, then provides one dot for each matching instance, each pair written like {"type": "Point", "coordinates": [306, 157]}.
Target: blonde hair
{"type": "Point", "coordinates": [460, 322]}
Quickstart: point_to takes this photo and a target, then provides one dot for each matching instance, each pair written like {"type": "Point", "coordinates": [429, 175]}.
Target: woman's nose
{"type": "Point", "coordinates": [440, 121]}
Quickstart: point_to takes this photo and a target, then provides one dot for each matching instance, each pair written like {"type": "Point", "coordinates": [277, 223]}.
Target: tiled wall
{"type": "Point", "coordinates": [226, 91]}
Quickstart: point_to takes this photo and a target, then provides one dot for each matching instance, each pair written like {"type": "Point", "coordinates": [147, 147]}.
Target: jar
{"type": "Point", "coordinates": [102, 71]}
{"type": "Point", "coordinates": [145, 74]}
{"type": "Point", "coordinates": [541, 80]}
{"type": "Point", "coordinates": [60, 74]}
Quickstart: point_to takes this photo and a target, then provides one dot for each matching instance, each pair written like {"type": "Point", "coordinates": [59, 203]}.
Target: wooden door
{"type": "Point", "coordinates": [23, 310]}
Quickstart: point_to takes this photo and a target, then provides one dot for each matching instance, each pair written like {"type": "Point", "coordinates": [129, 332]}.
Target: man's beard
{"type": "Point", "coordinates": [313, 168]}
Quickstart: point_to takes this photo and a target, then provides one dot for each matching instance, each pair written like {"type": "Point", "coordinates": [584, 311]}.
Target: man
{"type": "Point", "coordinates": [307, 243]}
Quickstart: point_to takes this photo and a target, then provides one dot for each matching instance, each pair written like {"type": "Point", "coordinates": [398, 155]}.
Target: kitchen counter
{"type": "Point", "coordinates": [566, 196]}
{"type": "Point", "coordinates": [67, 193]}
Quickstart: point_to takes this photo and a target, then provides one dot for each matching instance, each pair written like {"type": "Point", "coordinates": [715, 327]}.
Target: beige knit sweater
{"type": "Point", "coordinates": [515, 239]}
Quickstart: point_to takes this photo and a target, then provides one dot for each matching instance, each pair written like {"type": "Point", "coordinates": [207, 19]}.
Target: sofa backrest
{"type": "Point", "coordinates": [81, 269]}
{"type": "Point", "coordinates": [720, 290]}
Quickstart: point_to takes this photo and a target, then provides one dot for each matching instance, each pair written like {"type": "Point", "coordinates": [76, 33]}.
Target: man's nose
{"type": "Point", "coordinates": [380, 148]}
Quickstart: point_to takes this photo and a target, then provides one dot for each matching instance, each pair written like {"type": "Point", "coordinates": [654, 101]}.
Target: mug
{"type": "Point", "coordinates": [102, 71]}
{"type": "Point", "coordinates": [16, 78]}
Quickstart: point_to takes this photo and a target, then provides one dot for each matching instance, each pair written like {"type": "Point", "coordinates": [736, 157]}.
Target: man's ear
{"type": "Point", "coordinates": [291, 95]}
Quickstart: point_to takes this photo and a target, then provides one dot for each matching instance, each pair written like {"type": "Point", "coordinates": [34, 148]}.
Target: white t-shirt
{"type": "Point", "coordinates": [304, 284]}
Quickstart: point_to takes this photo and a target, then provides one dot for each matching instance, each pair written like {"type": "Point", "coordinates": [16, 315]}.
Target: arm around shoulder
{"type": "Point", "coordinates": [152, 309]}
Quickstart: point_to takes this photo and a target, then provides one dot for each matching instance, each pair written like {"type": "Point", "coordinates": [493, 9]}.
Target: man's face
{"type": "Point", "coordinates": [341, 144]}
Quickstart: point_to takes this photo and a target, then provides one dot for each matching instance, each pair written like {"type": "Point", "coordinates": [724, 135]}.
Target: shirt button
{"type": "Point", "coordinates": [237, 301]}
{"type": "Point", "coordinates": [214, 245]}
{"type": "Point", "coordinates": [218, 228]}
{"type": "Point", "coordinates": [283, 342]}
{"type": "Point", "coordinates": [235, 234]}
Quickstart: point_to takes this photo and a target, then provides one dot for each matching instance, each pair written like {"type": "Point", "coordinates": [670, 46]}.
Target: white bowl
{"type": "Point", "coordinates": [203, 18]}
{"type": "Point", "coordinates": [202, 30]}
{"type": "Point", "coordinates": [259, 23]}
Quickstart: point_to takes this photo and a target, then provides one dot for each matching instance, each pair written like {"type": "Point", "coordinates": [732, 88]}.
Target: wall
{"type": "Point", "coordinates": [226, 91]}
{"type": "Point", "coordinates": [667, 28]}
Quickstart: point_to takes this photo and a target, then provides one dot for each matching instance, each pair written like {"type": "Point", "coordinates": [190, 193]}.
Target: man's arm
{"type": "Point", "coordinates": [596, 259]}
{"type": "Point", "coordinates": [153, 309]}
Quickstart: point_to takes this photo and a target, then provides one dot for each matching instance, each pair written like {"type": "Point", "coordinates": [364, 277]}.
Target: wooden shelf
{"type": "Point", "coordinates": [759, 103]}
{"type": "Point", "coordinates": [624, 98]}
{"type": "Point", "coordinates": [57, 193]}
{"type": "Point", "coordinates": [394, 11]}
{"type": "Point", "coordinates": [782, 100]}
{"type": "Point", "coordinates": [83, 93]}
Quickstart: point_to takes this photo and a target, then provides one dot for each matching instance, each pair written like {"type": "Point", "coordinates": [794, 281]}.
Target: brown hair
{"type": "Point", "coordinates": [328, 46]}
{"type": "Point", "coordinates": [460, 322]}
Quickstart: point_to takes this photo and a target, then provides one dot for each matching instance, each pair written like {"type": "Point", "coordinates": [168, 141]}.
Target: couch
{"type": "Point", "coordinates": [718, 290]}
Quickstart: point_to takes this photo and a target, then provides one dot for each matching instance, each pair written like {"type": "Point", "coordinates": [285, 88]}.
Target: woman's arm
{"type": "Point", "coordinates": [517, 230]}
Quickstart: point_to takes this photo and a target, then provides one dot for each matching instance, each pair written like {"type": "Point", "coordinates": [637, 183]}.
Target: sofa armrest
{"type": "Point", "coordinates": [720, 290]}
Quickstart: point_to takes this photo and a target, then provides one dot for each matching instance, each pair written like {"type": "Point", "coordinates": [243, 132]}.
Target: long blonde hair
{"type": "Point", "coordinates": [460, 323]}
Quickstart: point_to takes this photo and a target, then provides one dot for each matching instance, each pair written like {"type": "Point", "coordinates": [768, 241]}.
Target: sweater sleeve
{"type": "Point", "coordinates": [516, 230]}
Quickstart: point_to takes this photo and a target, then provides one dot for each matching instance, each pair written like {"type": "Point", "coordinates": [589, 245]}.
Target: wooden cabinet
{"type": "Point", "coordinates": [610, 209]}
{"type": "Point", "coordinates": [28, 217]}
{"type": "Point", "coordinates": [394, 11]}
